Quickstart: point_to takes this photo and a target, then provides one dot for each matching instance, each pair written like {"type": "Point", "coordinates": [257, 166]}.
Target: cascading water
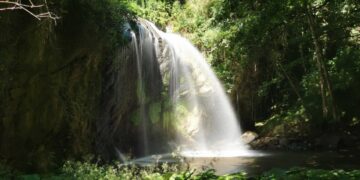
{"type": "Point", "coordinates": [201, 114]}
{"type": "Point", "coordinates": [144, 53]}
{"type": "Point", "coordinates": [209, 125]}
{"type": "Point", "coordinates": [141, 94]}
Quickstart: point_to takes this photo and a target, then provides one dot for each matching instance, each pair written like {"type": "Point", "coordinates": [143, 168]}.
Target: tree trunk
{"type": "Point", "coordinates": [325, 83]}
{"type": "Point", "coordinates": [292, 84]}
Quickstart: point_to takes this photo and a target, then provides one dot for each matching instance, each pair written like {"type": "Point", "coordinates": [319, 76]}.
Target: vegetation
{"type": "Point", "coordinates": [285, 63]}
{"type": "Point", "coordinates": [278, 59]}
{"type": "Point", "coordinates": [87, 170]}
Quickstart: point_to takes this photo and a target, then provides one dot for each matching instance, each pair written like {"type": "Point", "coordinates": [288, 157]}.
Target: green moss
{"type": "Point", "coordinates": [154, 112]}
{"type": "Point", "coordinates": [135, 117]}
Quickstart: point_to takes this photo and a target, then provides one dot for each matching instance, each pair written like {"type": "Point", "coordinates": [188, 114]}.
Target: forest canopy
{"type": "Point", "coordinates": [282, 61]}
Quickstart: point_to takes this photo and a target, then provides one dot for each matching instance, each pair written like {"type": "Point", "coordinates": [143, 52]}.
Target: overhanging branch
{"type": "Point", "coordinates": [38, 11]}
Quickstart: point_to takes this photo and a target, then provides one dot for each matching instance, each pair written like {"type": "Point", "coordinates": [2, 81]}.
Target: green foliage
{"type": "Point", "coordinates": [90, 171]}
{"type": "Point", "coordinates": [86, 170]}
{"type": "Point", "coordinates": [5, 171]}
{"type": "Point", "coordinates": [263, 51]}
{"type": "Point", "coordinates": [154, 10]}
{"type": "Point", "coordinates": [268, 48]}
{"type": "Point", "coordinates": [265, 54]}
{"type": "Point", "coordinates": [288, 122]}
{"type": "Point", "coordinates": [301, 173]}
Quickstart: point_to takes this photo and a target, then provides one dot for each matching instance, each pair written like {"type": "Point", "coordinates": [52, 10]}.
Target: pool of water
{"type": "Point", "coordinates": [261, 161]}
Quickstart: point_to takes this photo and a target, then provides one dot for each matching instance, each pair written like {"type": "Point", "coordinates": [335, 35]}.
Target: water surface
{"type": "Point", "coordinates": [262, 161]}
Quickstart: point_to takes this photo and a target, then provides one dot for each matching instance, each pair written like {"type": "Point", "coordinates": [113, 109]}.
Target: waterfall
{"type": "Point", "coordinates": [144, 53]}
{"type": "Point", "coordinates": [203, 122]}
{"type": "Point", "coordinates": [140, 91]}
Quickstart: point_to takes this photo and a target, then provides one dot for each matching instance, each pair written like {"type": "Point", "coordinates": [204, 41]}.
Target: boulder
{"type": "Point", "coordinates": [283, 142]}
{"type": "Point", "coordinates": [348, 140]}
{"type": "Point", "coordinates": [328, 141]}
{"type": "Point", "coordinates": [249, 136]}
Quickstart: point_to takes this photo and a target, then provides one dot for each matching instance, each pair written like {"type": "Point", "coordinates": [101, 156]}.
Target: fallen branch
{"type": "Point", "coordinates": [35, 10]}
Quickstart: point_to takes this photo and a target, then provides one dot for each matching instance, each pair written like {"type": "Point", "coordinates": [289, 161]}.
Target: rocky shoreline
{"type": "Point", "coordinates": [300, 143]}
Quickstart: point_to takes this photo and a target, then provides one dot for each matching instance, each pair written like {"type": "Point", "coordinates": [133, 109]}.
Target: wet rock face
{"type": "Point", "coordinates": [323, 142]}
{"type": "Point", "coordinates": [49, 98]}
{"type": "Point", "coordinates": [51, 79]}
{"type": "Point", "coordinates": [131, 98]}
{"type": "Point", "coordinates": [118, 100]}
{"type": "Point", "coordinates": [283, 143]}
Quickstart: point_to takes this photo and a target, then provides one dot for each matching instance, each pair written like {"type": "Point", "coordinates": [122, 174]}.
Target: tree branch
{"type": "Point", "coordinates": [35, 10]}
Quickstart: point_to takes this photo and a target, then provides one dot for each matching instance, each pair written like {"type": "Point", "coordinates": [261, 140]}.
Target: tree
{"type": "Point", "coordinates": [297, 47]}
{"type": "Point", "coordinates": [326, 89]}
